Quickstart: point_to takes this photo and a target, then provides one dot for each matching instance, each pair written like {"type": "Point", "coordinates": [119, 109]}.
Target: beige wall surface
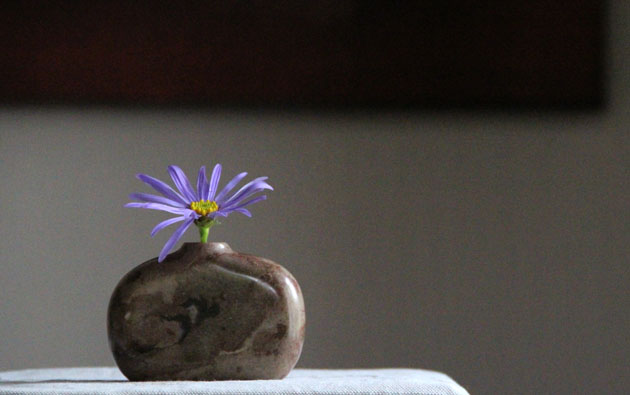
{"type": "Point", "coordinates": [494, 247]}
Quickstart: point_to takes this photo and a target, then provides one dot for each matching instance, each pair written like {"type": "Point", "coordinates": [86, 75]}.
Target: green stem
{"type": "Point", "coordinates": [204, 224]}
{"type": "Point", "coordinates": [203, 233]}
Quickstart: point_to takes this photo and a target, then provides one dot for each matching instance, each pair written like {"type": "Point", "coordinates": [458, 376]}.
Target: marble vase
{"type": "Point", "coordinates": [206, 313]}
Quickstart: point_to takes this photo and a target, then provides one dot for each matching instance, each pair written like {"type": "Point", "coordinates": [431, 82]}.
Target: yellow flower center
{"type": "Point", "coordinates": [204, 207]}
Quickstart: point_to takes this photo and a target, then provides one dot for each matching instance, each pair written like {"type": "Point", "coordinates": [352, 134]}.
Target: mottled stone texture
{"type": "Point", "coordinates": [206, 313]}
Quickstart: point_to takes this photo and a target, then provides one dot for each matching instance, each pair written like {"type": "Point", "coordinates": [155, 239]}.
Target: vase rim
{"type": "Point", "coordinates": [198, 242]}
{"type": "Point", "coordinates": [211, 246]}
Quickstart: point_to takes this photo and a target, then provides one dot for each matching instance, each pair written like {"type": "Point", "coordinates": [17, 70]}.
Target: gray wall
{"type": "Point", "coordinates": [493, 247]}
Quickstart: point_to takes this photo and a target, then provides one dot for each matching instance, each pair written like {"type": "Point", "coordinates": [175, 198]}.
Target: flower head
{"type": "Point", "coordinates": [201, 205]}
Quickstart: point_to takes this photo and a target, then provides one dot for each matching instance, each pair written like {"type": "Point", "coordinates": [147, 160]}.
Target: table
{"type": "Point", "coordinates": [109, 380]}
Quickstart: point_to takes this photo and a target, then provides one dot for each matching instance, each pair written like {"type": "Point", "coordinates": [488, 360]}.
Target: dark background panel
{"type": "Point", "coordinates": [451, 53]}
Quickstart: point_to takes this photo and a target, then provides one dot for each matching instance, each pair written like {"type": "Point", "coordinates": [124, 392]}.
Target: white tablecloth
{"type": "Point", "coordinates": [99, 381]}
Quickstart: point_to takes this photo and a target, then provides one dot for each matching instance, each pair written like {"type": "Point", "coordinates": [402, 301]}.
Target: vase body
{"type": "Point", "coordinates": [206, 313]}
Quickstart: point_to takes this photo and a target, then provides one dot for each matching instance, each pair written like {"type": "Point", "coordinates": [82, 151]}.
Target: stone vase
{"type": "Point", "coordinates": [206, 313]}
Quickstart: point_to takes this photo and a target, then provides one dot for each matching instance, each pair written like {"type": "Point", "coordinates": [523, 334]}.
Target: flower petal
{"type": "Point", "coordinates": [166, 223]}
{"type": "Point", "coordinates": [252, 201]}
{"type": "Point", "coordinates": [174, 238]}
{"type": "Point", "coordinates": [244, 211]}
{"type": "Point", "coordinates": [202, 183]}
{"type": "Point", "coordinates": [162, 188]}
{"type": "Point", "coordinates": [230, 185]}
{"type": "Point", "coordinates": [182, 183]}
{"type": "Point", "coordinates": [146, 197]}
{"type": "Point", "coordinates": [158, 206]}
{"type": "Point", "coordinates": [226, 211]}
{"type": "Point", "coordinates": [247, 190]}
{"type": "Point", "coordinates": [218, 213]}
{"type": "Point", "coordinates": [214, 182]}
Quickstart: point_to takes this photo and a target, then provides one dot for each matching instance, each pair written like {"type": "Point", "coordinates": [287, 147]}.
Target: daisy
{"type": "Point", "coordinates": [200, 206]}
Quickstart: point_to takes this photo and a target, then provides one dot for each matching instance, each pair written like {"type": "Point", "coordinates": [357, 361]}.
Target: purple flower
{"type": "Point", "coordinates": [201, 205]}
